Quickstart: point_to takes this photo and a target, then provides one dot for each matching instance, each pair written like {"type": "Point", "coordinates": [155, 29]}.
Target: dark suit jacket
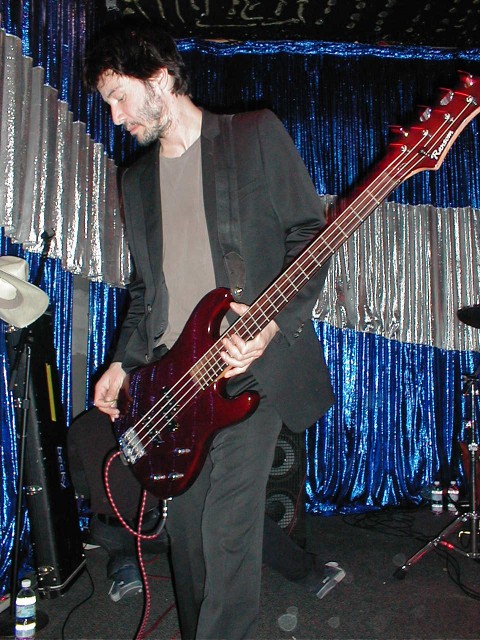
{"type": "Point", "coordinates": [280, 213]}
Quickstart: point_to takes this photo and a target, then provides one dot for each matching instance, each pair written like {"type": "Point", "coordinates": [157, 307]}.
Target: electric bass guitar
{"type": "Point", "coordinates": [172, 408]}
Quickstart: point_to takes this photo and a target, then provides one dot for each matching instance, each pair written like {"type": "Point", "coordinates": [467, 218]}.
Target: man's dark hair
{"type": "Point", "coordinates": [135, 48]}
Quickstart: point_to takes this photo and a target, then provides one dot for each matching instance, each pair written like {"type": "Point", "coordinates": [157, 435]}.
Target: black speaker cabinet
{"type": "Point", "coordinates": [285, 502]}
{"type": "Point", "coordinates": [50, 496]}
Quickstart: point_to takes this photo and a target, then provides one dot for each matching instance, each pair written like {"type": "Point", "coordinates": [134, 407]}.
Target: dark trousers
{"type": "Point", "coordinates": [227, 498]}
{"type": "Point", "coordinates": [216, 530]}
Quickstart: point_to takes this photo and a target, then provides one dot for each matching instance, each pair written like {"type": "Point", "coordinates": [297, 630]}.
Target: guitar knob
{"type": "Point", "coordinates": [424, 113]}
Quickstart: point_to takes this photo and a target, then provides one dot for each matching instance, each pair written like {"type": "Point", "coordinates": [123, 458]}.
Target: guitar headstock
{"type": "Point", "coordinates": [428, 141]}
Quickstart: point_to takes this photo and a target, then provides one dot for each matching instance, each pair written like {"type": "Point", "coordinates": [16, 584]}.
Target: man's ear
{"type": "Point", "coordinates": [161, 79]}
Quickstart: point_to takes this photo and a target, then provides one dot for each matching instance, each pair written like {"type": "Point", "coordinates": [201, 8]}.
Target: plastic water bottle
{"type": "Point", "coordinates": [437, 498]}
{"type": "Point", "coordinates": [25, 612]}
{"type": "Point", "coordinates": [453, 497]}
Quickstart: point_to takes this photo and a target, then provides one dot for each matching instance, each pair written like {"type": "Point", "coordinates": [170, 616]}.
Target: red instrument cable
{"type": "Point", "coordinates": [139, 537]}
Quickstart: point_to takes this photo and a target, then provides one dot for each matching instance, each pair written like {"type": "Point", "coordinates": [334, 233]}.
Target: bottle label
{"type": "Point", "coordinates": [25, 608]}
{"type": "Point", "coordinates": [25, 631]}
{"type": "Point", "coordinates": [437, 500]}
{"type": "Point", "coordinates": [30, 600]}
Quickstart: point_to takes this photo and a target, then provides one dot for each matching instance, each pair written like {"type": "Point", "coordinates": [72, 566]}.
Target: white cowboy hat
{"type": "Point", "coordinates": [21, 303]}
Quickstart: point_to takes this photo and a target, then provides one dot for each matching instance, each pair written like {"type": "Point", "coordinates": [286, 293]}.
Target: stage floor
{"type": "Point", "coordinates": [369, 604]}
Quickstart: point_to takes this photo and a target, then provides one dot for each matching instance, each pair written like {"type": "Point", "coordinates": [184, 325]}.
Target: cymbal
{"type": "Point", "coordinates": [470, 315]}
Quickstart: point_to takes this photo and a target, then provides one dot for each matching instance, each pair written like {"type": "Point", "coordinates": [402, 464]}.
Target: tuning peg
{"type": "Point", "coordinates": [446, 96]}
{"type": "Point", "coordinates": [424, 113]}
{"type": "Point", "coordinates": [466, 78]}
{"type": "Point", "coordinates": [398, 130]}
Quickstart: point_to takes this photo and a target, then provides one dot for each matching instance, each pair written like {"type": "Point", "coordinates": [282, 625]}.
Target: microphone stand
{"type": "Point", "coordinates": [7, 618]}
{"type": "Point", "coordinates": [47, 239]}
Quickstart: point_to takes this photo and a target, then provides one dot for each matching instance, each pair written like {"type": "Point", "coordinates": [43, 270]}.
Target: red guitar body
{"type": "Point", "coordinates": [172, 451]}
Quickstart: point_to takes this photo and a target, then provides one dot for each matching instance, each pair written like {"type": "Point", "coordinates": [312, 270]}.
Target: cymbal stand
{"type": "Point", "coordinates": [472, 516]}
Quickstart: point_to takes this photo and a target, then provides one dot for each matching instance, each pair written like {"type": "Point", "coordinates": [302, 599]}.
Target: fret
{"type": "Point", "coordinates": [328, 245]}
{"type": "Point", "coordinates": [274, 307]}
{"type": "Point", "coordinates": [258, 326]}
{"type": "Point", "coordinates": [286, 275]}
{"type": "Point", "coordinates": [302, 271]}
{"type": "Point", "coordinates": [266, 316]}
{"type": "Point", "coordinates": [344, 233]}
{"type": "Point", "coordinates": [318, 262]}
{"type": "Point", "coordinates": [374, 197]}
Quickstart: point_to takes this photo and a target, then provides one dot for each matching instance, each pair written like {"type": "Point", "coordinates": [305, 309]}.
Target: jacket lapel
{"type": "Point", "coordinates": [152, 214]}
{"type": "Point", "coordinates": [210, 138]}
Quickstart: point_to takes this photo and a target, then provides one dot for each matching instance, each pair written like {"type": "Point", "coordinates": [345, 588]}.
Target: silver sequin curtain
{"type": "Point", "coordinates": [405, 273]}
{"type": "Point", "coordinates": [56, 178]}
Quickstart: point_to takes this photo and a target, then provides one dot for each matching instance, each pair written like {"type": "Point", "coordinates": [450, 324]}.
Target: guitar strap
{"type": "Point", "coordinates": [227, 207]}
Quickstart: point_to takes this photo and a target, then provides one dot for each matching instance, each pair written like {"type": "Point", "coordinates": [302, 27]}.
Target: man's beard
{"type": "Point", "coordinates": [155, 114]}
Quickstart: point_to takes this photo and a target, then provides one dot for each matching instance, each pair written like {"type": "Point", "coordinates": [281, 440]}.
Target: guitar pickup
{"type": "Point", "coordinates": [169, 410]}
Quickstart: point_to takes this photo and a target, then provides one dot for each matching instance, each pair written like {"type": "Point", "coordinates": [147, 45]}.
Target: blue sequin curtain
{"type": "Point", "coordinates": [107, 305]}
{"type": "Point", "coordinates": [395, 427]}
{"type": "Point", "coordinates": [399, 409]}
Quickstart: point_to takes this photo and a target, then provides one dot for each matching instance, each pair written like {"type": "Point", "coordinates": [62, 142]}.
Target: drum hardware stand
{"type": "Point", "coordinates": [472, 516]}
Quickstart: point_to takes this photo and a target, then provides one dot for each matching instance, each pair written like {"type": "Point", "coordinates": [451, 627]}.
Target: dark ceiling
{"type": "Point", "coordinates": [435, 23]}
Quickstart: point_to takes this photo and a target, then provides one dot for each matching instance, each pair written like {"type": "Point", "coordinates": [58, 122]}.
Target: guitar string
{"type": "Point", "coordinates": [212, 358]}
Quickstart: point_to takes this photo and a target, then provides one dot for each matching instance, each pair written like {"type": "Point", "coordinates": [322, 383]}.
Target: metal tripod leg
{"type": "Point", "coordinates": [441, 541]}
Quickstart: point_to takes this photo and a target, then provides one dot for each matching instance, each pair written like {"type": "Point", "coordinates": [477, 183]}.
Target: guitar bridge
{"type": "Point", "coordinates": [131, 446]}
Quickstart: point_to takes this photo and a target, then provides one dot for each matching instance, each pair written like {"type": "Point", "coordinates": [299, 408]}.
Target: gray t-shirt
{"type": "Point", "coordinates": [187, 257]}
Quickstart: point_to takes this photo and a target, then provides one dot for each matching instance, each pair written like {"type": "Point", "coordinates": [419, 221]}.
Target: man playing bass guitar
{"type": "Point", "coordinates": [214, 202]}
